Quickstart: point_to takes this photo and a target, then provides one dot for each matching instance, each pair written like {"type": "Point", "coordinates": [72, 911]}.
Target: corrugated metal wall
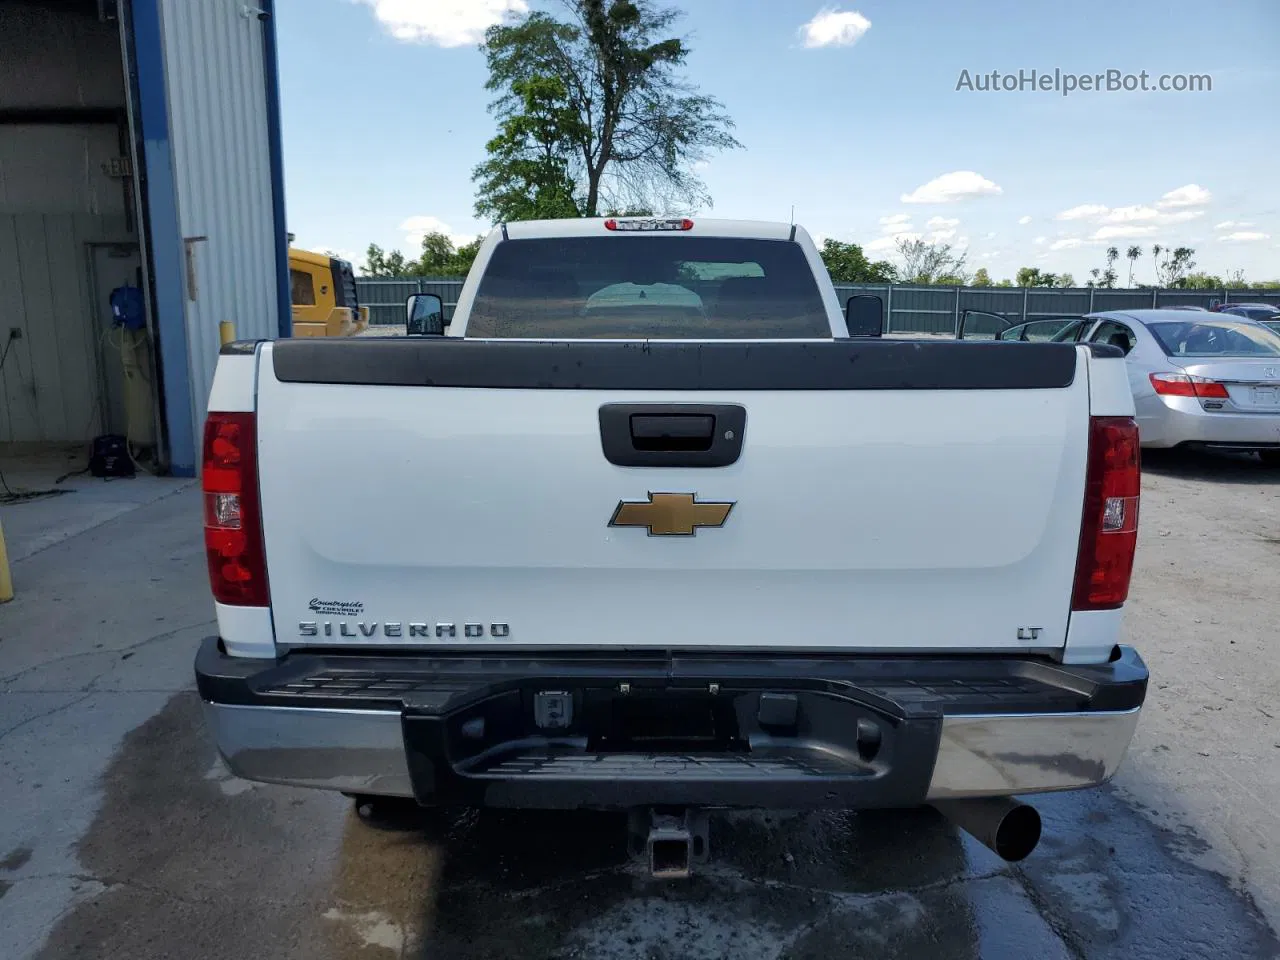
{"type": "Point", "coordinates": [55, 199]}
{"type": "Point", "coordinates": [218, 128]}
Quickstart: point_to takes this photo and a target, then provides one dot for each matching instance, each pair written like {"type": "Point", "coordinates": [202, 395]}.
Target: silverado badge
{"type": "Point", "coordinates": [670, 514]}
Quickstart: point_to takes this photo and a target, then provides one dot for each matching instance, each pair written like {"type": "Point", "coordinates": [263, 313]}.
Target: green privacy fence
{"type": "Point", "coordinates": [909, 309]}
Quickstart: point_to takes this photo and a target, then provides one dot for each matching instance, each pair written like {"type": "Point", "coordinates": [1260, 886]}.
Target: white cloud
{"type": "Point", "coordinates": [889, 243]}
{"type": "Point", "coordinates": [897, 223]}
{"type": "Point", "coordinates": [1066, 243]}
{"type": "Point", "coordinates": [942, 223]}
{"type": "Point", "coordinates": [1245, 236]}
{"type": "Point", "coordinates": [1040, 241]}
{"type": "Point", "coordinates": [950, 187]}
{"type": "Point", "coordinates": [1192, 195]}
{"type": "Point", "coordinates": [445, 23]}
{"type": "Point", "coordinates": [1232, 225]}
{"type": "Point", "coordinates": [1179, 216]}
{"type": "Point", "coordinates": [1085, 211]}
{"type": "Point", "coordinates": [1134, 213]}
{"type": "Point", "coordinates": [834, 28]}
{"type": "Point", "coordinates": [1130, 214]}
{"type": "Point", "coordinates": [417, 227]}
{"type": "Point", "coordinates": [942, 236]}
{"type": "Point", "coordinates": [1124, 232]}
{"type": "Point", "coordinates": [990, 236]}
{"type": "Point", "coordinates": [1023, 221]}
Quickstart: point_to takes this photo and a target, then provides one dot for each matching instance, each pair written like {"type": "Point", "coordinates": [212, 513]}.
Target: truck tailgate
{"type": "Point", "coordinates": [929, 508]}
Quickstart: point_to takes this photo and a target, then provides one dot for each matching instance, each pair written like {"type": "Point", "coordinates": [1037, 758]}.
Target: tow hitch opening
{"type": "Point", "coordinates": [669, 842]}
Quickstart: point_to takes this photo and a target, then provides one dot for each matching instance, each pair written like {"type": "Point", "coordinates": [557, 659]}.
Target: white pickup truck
{"type": "Point", "coordinates": [645, 529]}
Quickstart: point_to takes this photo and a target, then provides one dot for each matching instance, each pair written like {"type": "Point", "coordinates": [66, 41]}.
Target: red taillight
{"type": "Point", "coordinates": [1109, 529]}
{"type": "Point", "coordinates": [648, 224]}
{"type": "Point", "coordinates": [1181, 385]}
{"type": "Point", "coordinates": [232, 523]}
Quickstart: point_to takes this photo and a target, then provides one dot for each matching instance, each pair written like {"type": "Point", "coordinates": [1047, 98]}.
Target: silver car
{"type": "Point", "coordinates": [1209, 380]}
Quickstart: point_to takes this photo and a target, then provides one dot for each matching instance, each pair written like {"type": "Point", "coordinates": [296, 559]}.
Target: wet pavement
{"type": "Point", "coordinates": [192, 862]}
{"type": "Point", "coordinates": [123, 836]}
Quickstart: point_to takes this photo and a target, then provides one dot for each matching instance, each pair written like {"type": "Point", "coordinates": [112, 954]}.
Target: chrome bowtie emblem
{"type": "Point", "coordinates": [670, 514]}
{"type": "Point", "coordinates": [1269, 372]}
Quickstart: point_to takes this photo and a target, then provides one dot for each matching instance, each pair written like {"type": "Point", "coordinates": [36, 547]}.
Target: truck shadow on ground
{"type": "Point", "coordinates": [1211, 465]}
{"type": "Point", "coordinates": [184, 860]}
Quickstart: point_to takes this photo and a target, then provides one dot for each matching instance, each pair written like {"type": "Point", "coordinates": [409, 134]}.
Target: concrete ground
{"type": "Point", "coordinates": [123, 836]}
{"type": "Point", "coordinates": [65, 499]}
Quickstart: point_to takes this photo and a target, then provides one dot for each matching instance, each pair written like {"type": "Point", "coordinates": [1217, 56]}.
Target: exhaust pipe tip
{"type": "Point", "coordinates": [1018, 833]}
{"type": "Point", "coordinates": [1008, 827]}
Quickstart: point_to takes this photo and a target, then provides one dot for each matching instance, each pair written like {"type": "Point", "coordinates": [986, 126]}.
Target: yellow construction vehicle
{"type": "Point", "coordinates": [323, 291]}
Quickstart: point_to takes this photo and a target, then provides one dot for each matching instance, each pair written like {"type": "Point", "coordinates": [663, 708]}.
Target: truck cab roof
{"type": "Point", "coordinates": [595, 226]}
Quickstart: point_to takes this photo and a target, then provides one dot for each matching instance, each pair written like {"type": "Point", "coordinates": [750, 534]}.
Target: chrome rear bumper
{"type": "Point", "coordinates": [354, 751]}
{"type": "Point", "coordinates": [363, 751]}
{"type": "Point", "coordinates": [611, 730]}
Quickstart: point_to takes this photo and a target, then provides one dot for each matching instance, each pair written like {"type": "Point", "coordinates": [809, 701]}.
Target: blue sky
{"type": "Point", "coordinates": [848, 112]}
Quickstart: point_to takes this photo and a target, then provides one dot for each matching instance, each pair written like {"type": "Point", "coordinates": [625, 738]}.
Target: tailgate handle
{"type": "Point", "coordinates": [672, 434]}
{"type": "Point", "coordinates": [681, 431]}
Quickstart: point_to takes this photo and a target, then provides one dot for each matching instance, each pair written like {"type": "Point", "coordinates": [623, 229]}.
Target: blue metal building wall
{"type": "Point", "coordinates": [164, 238]}
{"type": "Point", "coordinates": [272, 60]}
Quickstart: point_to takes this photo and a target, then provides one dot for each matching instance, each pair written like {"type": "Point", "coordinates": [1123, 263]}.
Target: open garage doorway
{"type": "Point", "coordinates": [71, 239]}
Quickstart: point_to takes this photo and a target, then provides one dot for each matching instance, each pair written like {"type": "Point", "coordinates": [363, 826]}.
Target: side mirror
{"type": "Point", "coordinates": [864, 315]}
{"type": "Point", "coordinates": [424, 315]}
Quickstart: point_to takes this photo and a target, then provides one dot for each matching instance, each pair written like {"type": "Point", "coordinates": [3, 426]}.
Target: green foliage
{"type": "Point", "coordinates": [982, 278]}
{"type": "Point", "coordinates": [1203, 281]}
{"type": "Point", "coordinates": [931, 263]}
{"type": "Point", "coordinates": [846, 263]}
{"type": "Point", "coordinates": [439, 259]}
{"type": "Point", "coordinates": [1172, 266]}
{"type": "Point", "coordinates": [375, 262]}
{"type": "Point", "coordinates": [1032, 277]}
{"type": "Point", "coordinates": [526, 176]}
{"type": "Point", "coordinates": [1132, 254]}
{"type": "Point", "coordinates": [593, 113]}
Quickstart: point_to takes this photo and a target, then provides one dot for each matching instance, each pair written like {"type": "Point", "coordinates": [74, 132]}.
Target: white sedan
{"type": "Point", "coordinates": [1198, 379]}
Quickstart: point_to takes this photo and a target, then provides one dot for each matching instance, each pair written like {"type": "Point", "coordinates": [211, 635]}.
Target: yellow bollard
{"type": "Point", "coordinates": [6, 581]}
{"type": "Point", "coordinates": [226, 331]}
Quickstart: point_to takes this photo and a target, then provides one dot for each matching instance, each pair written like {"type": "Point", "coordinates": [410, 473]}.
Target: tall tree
{"type": "Point", "coordinates": [1032, 277]}
{"type": "Point", "coordinates": [1172, 265]}
{"type": "Point", "coordinates": [846, 263]}
{"type": "Point", "coordinates": [931, 262]}
{"type": "Point", "coordinates": [441, 259]}
{"type": "Point", "coordinates": [1106, 277]}
{"type": "Point", "coordinates": [1132, 255]}
{"type": "Point", "coordinates": [982, 278]}
{"type": "Point", "coordinates": [1203, 281]}
{"type": "Point", "coordinates": [527, 174]}
{"type": "Point", "coordinates": [375, 262]}
{"type": "Point", "coordinates": [629, 128]}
